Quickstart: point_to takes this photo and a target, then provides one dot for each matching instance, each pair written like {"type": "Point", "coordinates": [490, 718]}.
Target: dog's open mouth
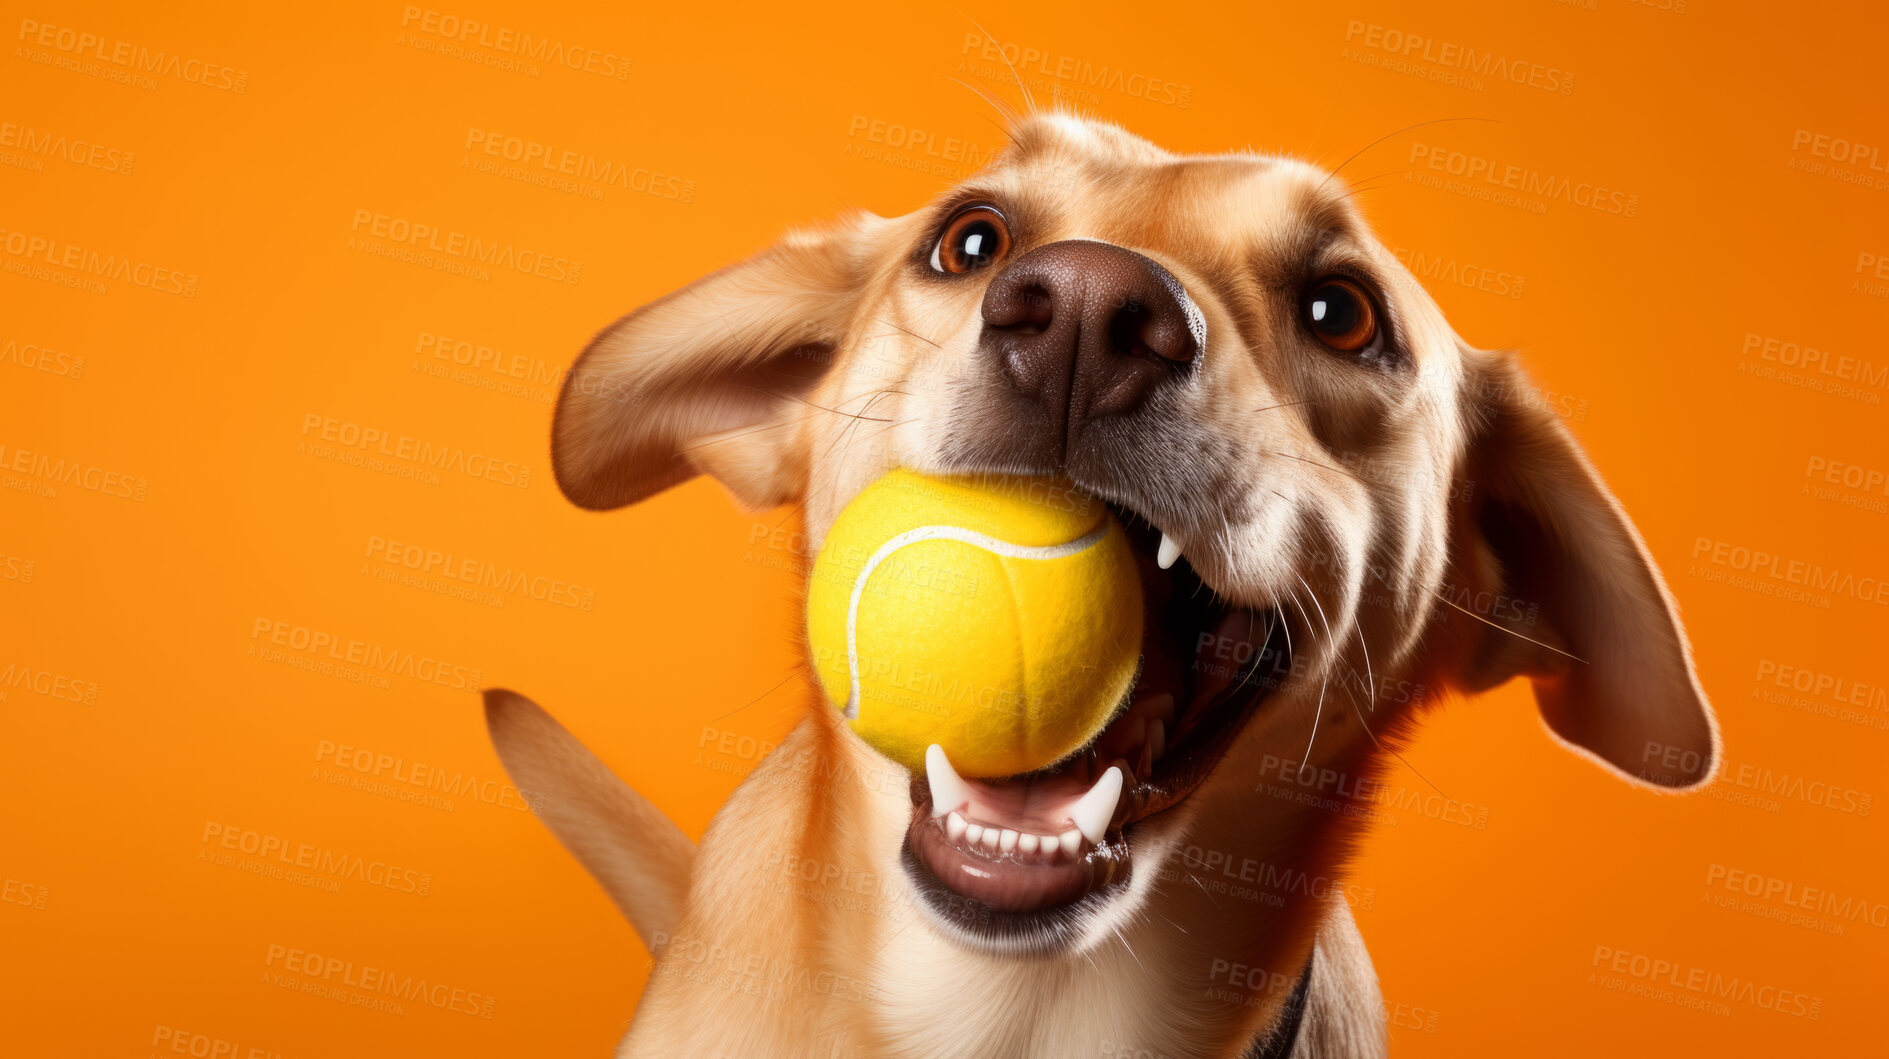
{"type": "Point", "coordinates": [1018, 859]}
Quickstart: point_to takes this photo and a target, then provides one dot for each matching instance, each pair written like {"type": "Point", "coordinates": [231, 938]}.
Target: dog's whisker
{"type": "Point", "coordinates": [1204, 888]}
{"type": "Point", "coordinates": [721, 439]}
{"type": "Point", "coordinates": [1285, 626]}
{"type": "Point", "coordinates": [759, 697]}
{"type": "Point", "coordinates": [1281, 404]}
{"type": "Point", "coordinates": [1248, 674]}
{"type": "Point", "coordinates": [1324, 678]}
{"type": "Point", "coordinates": [834, 446]}
{"type": "Point", "coordinates": [1122, 937]}
{"type": "Point", "coordinates": [1028, 99]}
{"type": "Point", "coordinates": [1371, 677]}
{"type": "Point", "coordinates": [1331, 640]}
{"type": "Point", "coordinates": [1392, 751]}
{"type": "Point", "coordinates": [1386, 136]}
{"type": "Point", "coordinates": [896, 326]}
{"type": "Point", "coordinates": [1009, 114]}
{"type": "Point", "coordinates": [824, 408]}
{"type": "Point", "coordinates": [890, 425]}
{"type": "Point", "coordinates": [1357, 189]}
{"type": "Point", "coordinates": [1510, 631]}
{"type": "Point", "coordinates": [1326, 466]}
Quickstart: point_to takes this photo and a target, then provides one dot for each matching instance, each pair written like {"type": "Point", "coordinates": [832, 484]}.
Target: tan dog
{"type": "Point", "coordinates": [1343, 512]}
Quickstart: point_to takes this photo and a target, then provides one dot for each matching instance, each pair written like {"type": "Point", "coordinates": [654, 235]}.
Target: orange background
{"type": "Point", "coordinates": [120, 920]}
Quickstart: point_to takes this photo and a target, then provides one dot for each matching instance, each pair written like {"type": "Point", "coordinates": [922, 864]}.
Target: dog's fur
{"type": "Point", "coordinates": [1371, 506]}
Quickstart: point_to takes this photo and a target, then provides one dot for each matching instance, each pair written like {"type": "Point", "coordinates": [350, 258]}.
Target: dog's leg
{"type": "Point", "coordinates": [639, 856]}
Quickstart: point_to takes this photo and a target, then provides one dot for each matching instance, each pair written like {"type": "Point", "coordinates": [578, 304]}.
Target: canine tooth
{"type": "Point", "coordinates": [948, 789]}
{"type": "Point", "coordinates": [973, 833]}
{"type": "Point", "coordinates": [991, 835]}
{"type": "Point", "coordinates": [955, 826]}
{"type": "Point", "coordinates": [1092, 811]}
{"type": "Point", "coordinates": [1008, 840]}
{"type": "Point", "coordinates": [1026, 842]}
{"type": "Point", "coordinates": [1071, 841]}
{"type": "Point", "coordinates": [1169, 552]}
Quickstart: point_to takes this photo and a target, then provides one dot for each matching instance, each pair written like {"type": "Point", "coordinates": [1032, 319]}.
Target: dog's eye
{"type": "Point", "coordinates": [973, 239]}
{"type": "Point", "coordinates": [1340, 313]}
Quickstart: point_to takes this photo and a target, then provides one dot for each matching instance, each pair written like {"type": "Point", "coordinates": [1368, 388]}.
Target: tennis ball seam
{"type": "Point", "coordinates": [994, 545]}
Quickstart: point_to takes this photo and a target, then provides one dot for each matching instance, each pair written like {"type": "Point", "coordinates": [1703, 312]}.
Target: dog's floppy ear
{"type": "Point", "coordinates": [708, 379]}
{"type": "Point", "coordinates": [632, 849]}
{"type": "Point", "coordinates": [1559, 588]}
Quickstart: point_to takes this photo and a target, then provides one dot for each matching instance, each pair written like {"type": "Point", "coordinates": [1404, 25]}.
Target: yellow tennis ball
{"type": "Point", "coordinates": [997, 616]}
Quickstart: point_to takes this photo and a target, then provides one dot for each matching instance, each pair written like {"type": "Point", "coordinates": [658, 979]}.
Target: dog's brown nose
{"type": "Point", "coordinates": [1088, 329]}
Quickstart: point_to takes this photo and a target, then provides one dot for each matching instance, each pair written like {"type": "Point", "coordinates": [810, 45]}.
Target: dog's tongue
{"type": "Point", "coordinates": [1039, 805]}
{"type": "Point", "coordinates": [1082, 797]}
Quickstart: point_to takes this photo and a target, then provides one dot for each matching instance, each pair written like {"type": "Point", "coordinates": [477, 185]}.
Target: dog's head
{"type": "Point", "coordinates": [1366, 510]}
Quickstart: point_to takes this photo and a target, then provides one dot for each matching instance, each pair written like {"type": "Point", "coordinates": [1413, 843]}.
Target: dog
{"type": "Point", "coordinates": [1341, 513]}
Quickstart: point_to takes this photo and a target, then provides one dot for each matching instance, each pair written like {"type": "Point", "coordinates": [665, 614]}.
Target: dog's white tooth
{"type": "Point", "coordinates": [1008, 840]}
{"type": "Point", "coordinates": [948, 789]}
{"type": "Point", "coordinates": [955, 826]}
{"type": "Point", "coordinates": [973, 833]}
{"type": "Point", "coordinates": [1026, 842]}
{"type": "Point", "coordinates": [1071, 841]}
{"type": "Point", "coordinates": [1169, 552]}
{"type": "Point", "coordinates": [1092, 811]}
{"type": "Point", "coordinates": [991, 836]}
